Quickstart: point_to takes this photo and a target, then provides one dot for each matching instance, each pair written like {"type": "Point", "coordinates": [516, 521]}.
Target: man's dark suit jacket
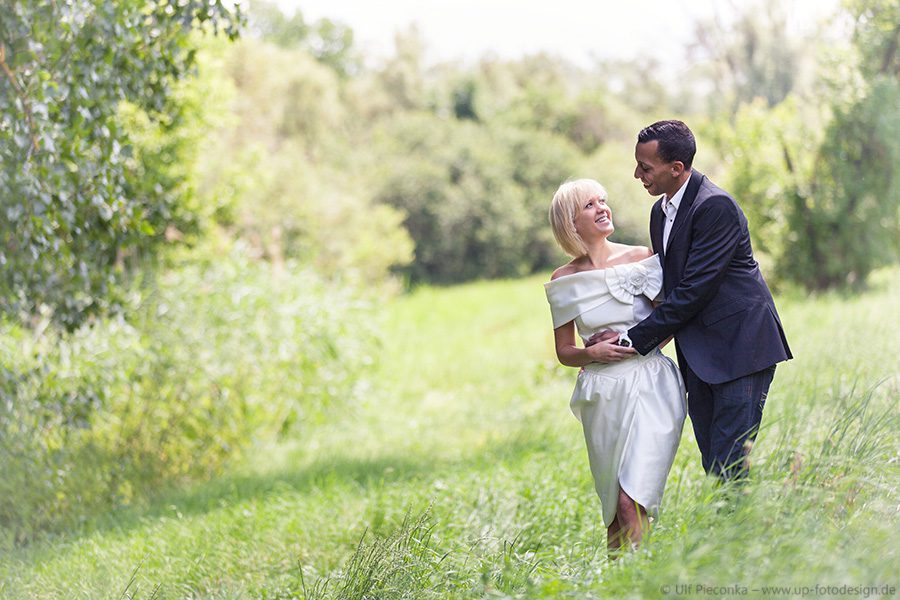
{"type": "Point", "coordinates": [716, 302]}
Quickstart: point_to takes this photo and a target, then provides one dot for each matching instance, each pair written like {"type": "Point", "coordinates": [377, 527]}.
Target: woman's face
{"type": "Point", "coordinates": [594, 220]}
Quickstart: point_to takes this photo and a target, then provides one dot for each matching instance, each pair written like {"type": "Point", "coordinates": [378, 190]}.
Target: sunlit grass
{"type": "Point", "coordinates": [458, 472]}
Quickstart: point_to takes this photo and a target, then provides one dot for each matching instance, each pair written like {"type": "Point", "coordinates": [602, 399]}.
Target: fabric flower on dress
{"type": "Point", "coordinates": [635, 280]}
{"type": "Point", "coordinates": [627, 281]}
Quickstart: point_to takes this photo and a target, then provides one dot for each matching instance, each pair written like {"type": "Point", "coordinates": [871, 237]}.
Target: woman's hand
{"type": "Point", "coordinates": [607, 335]}
{"type": "Point", "coordinates": [602, 347]}
{"type": "Point", "coordinates": [609, 352]}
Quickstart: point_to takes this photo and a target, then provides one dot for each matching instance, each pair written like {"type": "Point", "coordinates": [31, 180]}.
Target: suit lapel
{"type": "Point", "coordinates": [690, 193]}
{"type": "Point", "coordinates": [656, 226]}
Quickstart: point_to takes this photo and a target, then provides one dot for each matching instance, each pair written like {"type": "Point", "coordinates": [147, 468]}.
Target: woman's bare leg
{"type": "Point", "coordinates": [632, 519]}
{"type": "Point", "coordinates": [614, 534]}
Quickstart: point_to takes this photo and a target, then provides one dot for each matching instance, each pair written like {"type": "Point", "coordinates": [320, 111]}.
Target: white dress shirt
{"type": "Point", "coordinates": [670, 208]}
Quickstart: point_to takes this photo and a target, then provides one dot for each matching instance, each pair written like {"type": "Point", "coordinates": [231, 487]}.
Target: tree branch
{"type": "Point", "coordinates": [26, 106]}
{"type": "Point", "coordinates": [890, 53]}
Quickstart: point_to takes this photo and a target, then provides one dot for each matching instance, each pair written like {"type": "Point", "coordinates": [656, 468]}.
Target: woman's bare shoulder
{"type": "Point", "coordinates": [629, 254]}
{"type": "Point", "coordinates": [564, 270]}
{"type": "Point", "coordinates": [570, 268]}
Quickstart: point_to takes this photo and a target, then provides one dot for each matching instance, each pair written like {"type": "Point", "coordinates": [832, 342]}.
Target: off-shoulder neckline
{"type": "Point", "coordinates": [637, 262]}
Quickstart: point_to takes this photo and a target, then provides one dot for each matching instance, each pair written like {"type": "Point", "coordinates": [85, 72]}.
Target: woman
{"type": "Point", "coordinates": [631, 407]}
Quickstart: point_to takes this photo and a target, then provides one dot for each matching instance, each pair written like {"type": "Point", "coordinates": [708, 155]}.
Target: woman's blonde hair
{"type": "Point", "coordinates": [566, 204]}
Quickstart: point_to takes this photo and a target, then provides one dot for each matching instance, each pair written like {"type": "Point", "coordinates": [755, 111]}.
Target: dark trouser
{"type": "Point", "coordinates": [726, 416]}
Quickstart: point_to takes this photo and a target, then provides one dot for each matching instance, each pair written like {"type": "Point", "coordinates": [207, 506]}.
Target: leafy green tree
{"type": "Point", "coordinates": [819, 182]}
{"type": "Point", "coordinates": [464, 100]}
{"type": "Point", "coordinates": [265, 20]}
{"type": "Point", "coordinates": [876, 35]}
{"type": "Point", "coordinates": [330, 42]}
{"type": "Point", "coordinates": [853, 222]}
{"type": "Point", "coordinates": [290, 164]}
{"type": "Point", "coordinates": [542, 93]}
{"type": "Point", "coordinates": [636, 82]}
{"type": "Point", "coordinates": [72, 205]}
{"type": "Point", "coordinates": [858, 207]}
{"type": "Point", "coordinates": [770, 156]}
{"type": "Point", "coordinates": [475, 198]}
{"type": "Point", "coordinates": [402, 78]}
{"type": "Point", "coordinates": [855, 201]}
{"type": "Point", "coordinates": [752, 56]}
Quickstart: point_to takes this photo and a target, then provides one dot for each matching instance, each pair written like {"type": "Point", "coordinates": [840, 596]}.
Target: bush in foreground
{"type": "Point", "coordinates": [212, 358]}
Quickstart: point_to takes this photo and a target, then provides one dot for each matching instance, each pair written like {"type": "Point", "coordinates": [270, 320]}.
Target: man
{"type": "Point", "coordinates": [728, 336]}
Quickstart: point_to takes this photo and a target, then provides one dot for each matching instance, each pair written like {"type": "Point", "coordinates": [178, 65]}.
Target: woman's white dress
{"type": "Point", "coordinates": [632, 411]}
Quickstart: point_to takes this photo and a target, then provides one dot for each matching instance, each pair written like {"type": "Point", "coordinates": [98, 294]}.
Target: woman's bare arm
{"type": "Point", "coordinates": [571, 355]}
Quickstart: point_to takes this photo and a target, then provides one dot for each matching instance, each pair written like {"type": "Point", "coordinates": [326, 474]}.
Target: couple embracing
{"type": "Point", "coordinates": [701, 285]}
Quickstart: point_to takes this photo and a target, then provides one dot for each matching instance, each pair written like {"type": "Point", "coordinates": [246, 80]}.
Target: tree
{"type": "Point", "coordinates": [819, 182]}
{"type": "Point", "coordinates": [265, 20]}
{"type": "Point", "coordinates": [856, 210]}
{"type": "Point", "coordinates": [71, 213]}
{"type": "Point", "coordinates": [877, 36]}
{"type": "Point", "coordinates": [475, 198]}
{"type": "Point", "coordinates": [754, 56]}
{"type": "Point", "coordinates": [858, 159]}
{"type": "Point", "coordinates": [330, 42]}
{"type": "Point", "coordinates": [402, 78]}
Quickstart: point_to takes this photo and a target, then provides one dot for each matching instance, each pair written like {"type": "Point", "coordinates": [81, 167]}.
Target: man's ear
{"type": "Point", "coordinates": [677, 169]}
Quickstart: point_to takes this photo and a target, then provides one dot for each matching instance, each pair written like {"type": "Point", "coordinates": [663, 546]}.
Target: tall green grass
{"type": "Point", "coordinates": [459, 472]}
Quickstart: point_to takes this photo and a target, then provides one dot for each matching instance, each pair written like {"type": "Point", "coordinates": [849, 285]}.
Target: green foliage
{"type": "Point", "coordinates": [637, 84]}
{"type": "Point", "coordinates": [215, 356]}
{"type": "Point", "coordinates": [265, 20]}
{"type": "Point", "coordinates": [770, 155]}
{"type": "Point", "coordinates": [475, 198]}
{"type": "Point", "coordinates": [287, 162]}
{"type": "Point", "coordinates": [752, 57]}
{"type": "Point", "coordinates": [402, 78]}
{"type": "Point", "coordinates": [855, 204]}
{"type": "Point", "coordinates": [544, 94]}
{"type": "Point", "coordinates": [818, 181]}
{"type": "Point", "coordinates": [328, 41]}
{"type": "Point", "coordinates": [71, 203]}
{"type": "Point", "coordinates": [877, 35]}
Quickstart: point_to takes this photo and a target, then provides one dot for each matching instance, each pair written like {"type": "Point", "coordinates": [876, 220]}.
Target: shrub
{"type": "Point", "coordinates": [214, 357]}
{"type": "Point", "coordinates": [475, 198]}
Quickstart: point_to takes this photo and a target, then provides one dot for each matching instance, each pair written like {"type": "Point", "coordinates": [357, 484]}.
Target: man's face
{"type": "Point", "coordinates": [655, 174]}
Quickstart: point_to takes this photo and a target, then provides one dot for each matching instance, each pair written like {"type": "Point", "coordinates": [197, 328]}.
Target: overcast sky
{"type": "Point", "coordinates": [576, 30]}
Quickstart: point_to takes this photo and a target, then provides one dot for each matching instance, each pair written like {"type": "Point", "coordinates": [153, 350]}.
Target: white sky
{"type": "Point", "coordinates": [575, 29]}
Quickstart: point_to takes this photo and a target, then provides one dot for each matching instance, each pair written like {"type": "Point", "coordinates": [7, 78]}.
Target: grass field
{"type": "Point", "coordinates": [458, 471]}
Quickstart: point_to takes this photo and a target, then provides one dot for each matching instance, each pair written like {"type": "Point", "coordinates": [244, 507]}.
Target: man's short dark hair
{"type": "Point", "coordinates": [676, 142]}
